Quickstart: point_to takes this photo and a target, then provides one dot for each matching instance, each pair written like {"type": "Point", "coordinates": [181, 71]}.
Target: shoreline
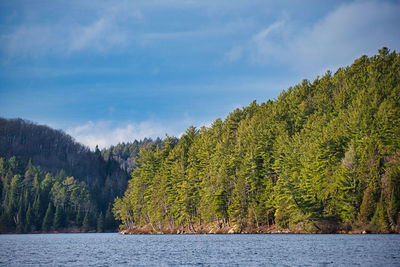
{"type": "Point", "coordinates": [209, 230]}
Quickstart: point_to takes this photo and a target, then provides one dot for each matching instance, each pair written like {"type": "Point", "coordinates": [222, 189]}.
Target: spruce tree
{"type": "Point", "coordinates": [86, 223]}
{"type": "Point", "coordinates": [79, 217]}
{"type": "Point", "coordinates": [109, 222]}
{"type": "Point", "coordinates": [29, 219]}
{"type": "Point", "coordinates": [20, 222]}
{"type": "Point", "coordinates": [59, 217]}
{"type": "Point", "coordinates": [100, 223]}
{"type": "Point", "coordinates": [48, 218]}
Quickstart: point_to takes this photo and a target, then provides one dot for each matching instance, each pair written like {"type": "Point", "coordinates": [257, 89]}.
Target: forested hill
{"type": "Point", "coordinates": [126, 153]}
{"type": "Point", "coordinates": [323, 157]}
{"type": "Point", "coordinates": [47, 168]}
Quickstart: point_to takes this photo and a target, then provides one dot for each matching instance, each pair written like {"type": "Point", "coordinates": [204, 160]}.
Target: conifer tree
{"type": "Point", "coordinates": [59, 217]}
{"type": "Point", "coordinates": [86, 223]}
{"type": "Point", "coordinates": [100, 223]}
{"type": "Point", "coordinates": [48, 218]}
{"type": "Point", "coordinates": [29, 219]}
{"type": "Point", "coordinates": [79, 217]}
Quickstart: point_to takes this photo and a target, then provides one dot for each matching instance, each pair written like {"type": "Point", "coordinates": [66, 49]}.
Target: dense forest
{"type": "Point", "coordinates": [126, 153]}
{"type": "Point", "coordinates": [323, 157]}
{"type": "Point", "coordinates": [44, 173]}
{"type": "Point", "coordinates": [37, 201]}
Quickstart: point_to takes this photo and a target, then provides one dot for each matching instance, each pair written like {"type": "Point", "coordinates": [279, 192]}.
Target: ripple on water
{"type": "Point", "coordinates": [202, 250]}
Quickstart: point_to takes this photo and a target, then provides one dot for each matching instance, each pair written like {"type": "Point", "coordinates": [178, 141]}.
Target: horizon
{"type": "Point", "coordinates": [112, 72]}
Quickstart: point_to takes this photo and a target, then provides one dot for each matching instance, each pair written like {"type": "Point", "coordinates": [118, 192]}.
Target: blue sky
{"type": "Point", "coordinates": [113, 71]}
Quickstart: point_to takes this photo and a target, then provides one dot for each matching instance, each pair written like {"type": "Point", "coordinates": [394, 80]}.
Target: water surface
{"type": "Point", "coordinates": [199, 250]}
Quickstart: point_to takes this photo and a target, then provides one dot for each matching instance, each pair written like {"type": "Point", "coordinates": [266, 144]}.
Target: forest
{"type": "Point", "coordinates": [37, 201]}
{"type": "Point", "coordinates": [126, 154]}
{"type": "Point", "coordinates": [324, 157]}
{"type": "Point", "coordinates": [49, 182]}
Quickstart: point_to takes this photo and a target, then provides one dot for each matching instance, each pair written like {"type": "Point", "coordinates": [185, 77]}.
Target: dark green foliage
{"type": "Point", "coordinates": [79, 217]}
{"type": "Point", "coordinates": [29, 219]}
{"type": "Point", "coordinates": [100, 223]}
{"type": "Point", "coordinates": [126, 153]}
{"type": "Point", "coordinates": [59, 217]}
{"type": "Point", "coordinates": [86, 223]}
{"type": "Point", "coordinates": [325, 152]}
{"type": "Point", "coordinates": [39, 165]}
{"type": "Point", "coordinates": [38, 201]}
{"type": "Point", "coordinates": [48, 218]}
{"type": "Point", "coordinates": [109, 221]}
{"type": "Point", "coordinates": [43, 165]}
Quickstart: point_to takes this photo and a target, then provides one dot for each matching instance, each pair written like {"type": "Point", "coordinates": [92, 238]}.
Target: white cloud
{"type": "Point", "coordinates": [348, 32]}
{"type": "Point", "coordinates": [264, 45]}
{"type": "Point", "coordinates": [234, 54]}
{"type": "Point", "coordinates": [100, 35]}
{"type": "Point", "coordinates": [353, 29]}
{"type": "Point", "coordinates": [104, 28]}
{"type": "Point", "coordinates": [107, 133]}
{"type": "Point", "coordinates": [30, 40]}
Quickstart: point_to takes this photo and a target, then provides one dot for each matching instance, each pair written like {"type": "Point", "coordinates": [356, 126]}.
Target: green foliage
{"type": "Point", "coordinates": [86, 223]}
{"type": "Point", "coordinates": [59, 217]}
{"type": "Point", "coordinates": [36, 201]}
{"type": "Point", "coordinates": [326, 151]}
{"type": "Point", "coordinates": [100, 223]}
{"type": "Point", "coordinates": [48, 218]}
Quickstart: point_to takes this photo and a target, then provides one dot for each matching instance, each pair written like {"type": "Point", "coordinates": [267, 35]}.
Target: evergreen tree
{"type": "Point", "coordinates": [29, 219]}
{"type": "Point", "coordinates": [48, 218]}
{"type": "Point", "coordinates": [109, 221]}
{"type": "Point", "coordinates": [323, 154]}
{"type": "Point", "coordinates": [20, 218]}
{"type": "Point", "coordinates": [86, 224]}
{"type": "Point", "coordinates": [100, 223]}
{"type": "Point", "coordinates": [59, 217]}
{"type": "Point", "coordinates": [79, 217]}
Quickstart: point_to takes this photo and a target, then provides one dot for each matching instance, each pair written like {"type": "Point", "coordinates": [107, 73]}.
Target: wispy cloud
{"type": "Point", "coordinates": [105, 28]}
{"type": "Point", "coordinates": [106, 133]}
{"type": "Point", "coordinates": [353, 29]}
{"type": "Point", "coordinates": [100, 35]}
{"type": "Point", "coordinates": [115, 26]}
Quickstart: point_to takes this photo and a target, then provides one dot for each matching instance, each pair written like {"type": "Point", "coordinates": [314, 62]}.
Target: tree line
{"type": "Point", "coordinates": [69, 179]}
{"type": "Point", "coordinates": [323, 156]}
{"type": "Point", "coordinates": [126, 153]}
{"type": "Point", "coordinates": [33, 200]}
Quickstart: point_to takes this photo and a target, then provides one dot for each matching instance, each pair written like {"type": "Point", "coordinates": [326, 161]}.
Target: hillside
{"type": "Point", "coordinates": [126, 153]}
{"type": "Point", "coordinates": [323, 157]}
{"type": "Point", "coordinates": [40, 162]}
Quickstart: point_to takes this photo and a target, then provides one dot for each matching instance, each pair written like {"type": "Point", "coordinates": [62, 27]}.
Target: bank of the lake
{"type": "Point", "coordinates": [327, 228]}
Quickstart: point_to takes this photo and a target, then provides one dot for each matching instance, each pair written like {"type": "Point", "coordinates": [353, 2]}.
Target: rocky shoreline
{"type": "Point", "coordinates": [229, 229]}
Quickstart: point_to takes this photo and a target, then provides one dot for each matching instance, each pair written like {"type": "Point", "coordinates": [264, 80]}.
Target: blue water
{"type": "Point", "coordinates": [201, 250]}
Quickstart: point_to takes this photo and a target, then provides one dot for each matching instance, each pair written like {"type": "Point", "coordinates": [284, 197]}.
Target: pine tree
{"type": "Point", "coordinates": [37, 210]}
{"type": "Point", "coordinates": [79, 217]}
{"type": "Point", "coordinates": [48, 218]}
{"type": "Point", "coordinates": [86, 223]}
{"type": "Point", "coordinates": [29, 219]}
{"type": "Point", "coordinates": [20, 219]}
{"type": "Point", "coordinates": [109, 222]}
{"type": "Point", "coordinates": [370, 199]}
{"type": "Point", "coordinates": [59, 217]}
{"type": "Point", "coordinates": [100, 223]}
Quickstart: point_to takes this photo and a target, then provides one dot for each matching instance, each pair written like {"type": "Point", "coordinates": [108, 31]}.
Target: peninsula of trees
{"type": "Point", "coordinates": [323, 157]}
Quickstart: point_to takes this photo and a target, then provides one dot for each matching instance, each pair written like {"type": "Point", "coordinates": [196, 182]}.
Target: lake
{"type": "Point", "coordinates": [201, 250]}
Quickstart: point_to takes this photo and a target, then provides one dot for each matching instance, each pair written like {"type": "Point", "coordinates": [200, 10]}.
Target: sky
{"type": "Point", "coordinates": [114, 71]}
